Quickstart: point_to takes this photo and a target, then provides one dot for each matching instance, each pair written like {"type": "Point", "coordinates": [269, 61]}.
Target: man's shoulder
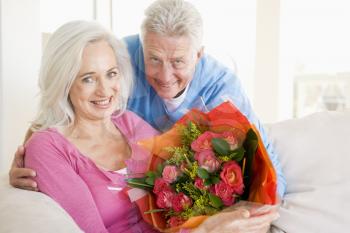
{"type": "Point", "coordinates": [132, 41]}
{"type": "Point", "coordinates": [212, 70]}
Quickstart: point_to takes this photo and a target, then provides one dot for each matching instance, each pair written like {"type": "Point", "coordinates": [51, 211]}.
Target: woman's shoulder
{"type": "Point", "coordinates": [46, 139]}
{"type": "Point", "coordinates": [42, 135]}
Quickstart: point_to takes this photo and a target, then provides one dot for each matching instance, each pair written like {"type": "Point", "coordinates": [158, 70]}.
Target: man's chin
{"type": "Point", "coordinates": [166, 97]}
{"type": "Point", "coordinates": [166, 94]}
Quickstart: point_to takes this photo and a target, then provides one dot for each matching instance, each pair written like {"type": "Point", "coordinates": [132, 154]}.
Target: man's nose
{"type": "Point", "coordinates": [166, 73]}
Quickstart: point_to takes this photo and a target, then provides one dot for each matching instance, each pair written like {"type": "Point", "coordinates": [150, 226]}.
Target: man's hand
{"type": "Point", "coordinates": [21, 177]}
{"type": "Point", "coordinates": [239, 220]}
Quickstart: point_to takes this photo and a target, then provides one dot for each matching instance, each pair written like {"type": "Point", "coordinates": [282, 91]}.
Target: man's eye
{"type": "Point", "coordinates": [178, 63]}
{"type": "Point", "coordinates": [154, 60]}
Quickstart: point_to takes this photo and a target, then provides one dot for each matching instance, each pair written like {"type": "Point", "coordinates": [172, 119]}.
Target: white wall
{"type": "Point", "coordinates": [20, 43]}
{"type": "Point", "coordinates": [54, 13]}
{"type": "Point", "coordinates": [266, 83]}
{"type": "Point", "coordinates": [1, 93]}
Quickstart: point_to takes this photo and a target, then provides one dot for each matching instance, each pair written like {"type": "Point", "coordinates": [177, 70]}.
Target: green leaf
{"type": "Point", "coordinates": [150, 180]}
{"type": "Point", "coordinates": [160, 168]}
{"type": "Point", "coordinates": [154, 211]}
{"type": "Point", "coordinates": [237, 154]}
{"type": "Point", "coordinates": [202, 173]}
{"type": "Point", "coordinates": [215, 201]}
{"type": "Point", "coordinates": [250, 145]}
{"type": "Point", "coordinates": [150, 174]}
{"type": "Point", "coordinates": [215, 180]}
{"type": "Point", "coordinates": [139, 183]}
{"type": "Point", "coordinates": [136, 180]}
{"type": "Point", "coordinates": [220, 146]}
{"type": "Point", "coordinates": [207, 182]}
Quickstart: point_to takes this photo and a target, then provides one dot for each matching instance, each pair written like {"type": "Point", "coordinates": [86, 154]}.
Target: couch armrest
{"type": "Point", "coordinates": [28, 211]}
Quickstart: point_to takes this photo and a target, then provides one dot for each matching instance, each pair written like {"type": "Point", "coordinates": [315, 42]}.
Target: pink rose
{"type": "Point", "coordinates": [181, 202]}
{"type": "Point", "coordinates": [175, 221]}
{"type": "Point", "coordinates": [231, 139]}
{"type": "Point", "coordinates": [199, 183]}
{"type": "Point", "coordinates": [207, 160]}
{"type": "Point", "coordinates": [170, 173]}
{"type": "Point", "coordinates": [160, 185]}
{"type": "Point", "coordinates": [231, 174]}
{"type": "Point", "coordinates": [164, 199]}
{"type": "Point", "coordinates": [225, 192]}
{"type": "Point", "coordinates": [203, 142]}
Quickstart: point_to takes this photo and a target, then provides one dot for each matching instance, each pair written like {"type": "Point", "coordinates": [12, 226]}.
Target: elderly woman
{"type": "Point", "coordinates": [84, 138]}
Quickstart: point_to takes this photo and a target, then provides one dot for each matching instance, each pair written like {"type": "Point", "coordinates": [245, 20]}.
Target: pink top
{"type": "Point", "coordinates": [89, 194]}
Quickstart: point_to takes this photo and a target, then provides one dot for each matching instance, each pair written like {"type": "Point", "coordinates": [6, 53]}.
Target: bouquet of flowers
{"type": "Point", "coordinates": [206, 162]}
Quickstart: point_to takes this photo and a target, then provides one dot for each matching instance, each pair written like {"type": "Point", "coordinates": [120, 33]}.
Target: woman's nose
{"type": "Point", "coordinates": [101, 87]}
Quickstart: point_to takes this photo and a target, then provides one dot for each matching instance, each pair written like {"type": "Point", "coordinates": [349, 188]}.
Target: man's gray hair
{"type": "Point", "coordinates": [60, 65]}
{"type": "Point", "coordinates": [173, 18]}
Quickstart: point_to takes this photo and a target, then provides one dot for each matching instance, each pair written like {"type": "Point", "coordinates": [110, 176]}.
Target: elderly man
{"type": "Point", "coordinates": [173, 75]}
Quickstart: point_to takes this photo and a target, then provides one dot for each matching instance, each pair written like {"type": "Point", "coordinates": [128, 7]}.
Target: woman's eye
{"type": "Point", "coordinates": [88, 79]}
{"type": "Point", "coordinates": [112, 74]}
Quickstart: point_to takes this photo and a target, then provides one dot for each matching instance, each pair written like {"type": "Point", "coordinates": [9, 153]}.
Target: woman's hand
{"type": "Point", "coordinates": [19, 176]}
{"type": "Point", "coordinates": [240, 220]}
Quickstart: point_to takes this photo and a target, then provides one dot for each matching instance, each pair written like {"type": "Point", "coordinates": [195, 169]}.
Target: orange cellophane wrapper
{"type": "Point", "coordinates": [225, 117]}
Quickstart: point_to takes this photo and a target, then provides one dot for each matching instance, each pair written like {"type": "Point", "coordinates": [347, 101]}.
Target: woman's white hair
{"type": "Point", "coordinates": [61, 62]}
{"type": "Point", "coordinates": [173, 18]}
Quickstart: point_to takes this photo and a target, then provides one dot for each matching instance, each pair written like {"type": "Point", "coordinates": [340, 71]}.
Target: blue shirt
{"type": "Point", "coordinates": [212, 84]}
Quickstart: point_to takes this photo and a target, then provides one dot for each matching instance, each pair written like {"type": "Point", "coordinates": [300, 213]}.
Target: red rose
{"type": "Point", "coordinates": [203, 142]}
{"type": "Point", "coordinates": [207, 160]}
{"type": "Point", "coordinates": [225, 192]}
{"type": "Point", "coordinates": [199, 183]}
{"type": "Point", "coordinates": [164, 199]}
{"type": "Point", "coordinates": [232, 175]}
{"type": "Point", "coordinates": [175, 221]}
{"type": "Point", "coordinates": [181, 202]}
{"type": "Point", "coordinates": [160, 185]}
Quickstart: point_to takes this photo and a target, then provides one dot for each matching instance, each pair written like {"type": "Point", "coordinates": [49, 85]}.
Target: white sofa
{"type": "Point", "coordinates": [315, 155]}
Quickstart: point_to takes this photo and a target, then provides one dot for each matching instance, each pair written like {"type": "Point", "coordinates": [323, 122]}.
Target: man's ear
{"type": "Point", "coordinates": [200, 52]}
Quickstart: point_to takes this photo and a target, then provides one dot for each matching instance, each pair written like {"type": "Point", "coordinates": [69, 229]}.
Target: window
{"type": "Point", "coordinates": [315, 55]}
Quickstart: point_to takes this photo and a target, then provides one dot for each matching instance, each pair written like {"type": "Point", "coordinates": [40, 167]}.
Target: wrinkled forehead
{"type": "Point", "coordinates": [167, 45]}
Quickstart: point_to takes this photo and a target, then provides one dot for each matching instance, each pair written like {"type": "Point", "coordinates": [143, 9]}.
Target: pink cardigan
{"type": "Point", "coordinates": [89, 194]}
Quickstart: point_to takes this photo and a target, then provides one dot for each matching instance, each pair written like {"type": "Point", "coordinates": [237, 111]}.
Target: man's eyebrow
{"type": "Point", "coordinates": [152, 54]}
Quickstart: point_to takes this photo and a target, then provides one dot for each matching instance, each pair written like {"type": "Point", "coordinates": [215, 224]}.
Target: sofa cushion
{"type": "Point", "coordinates": [314, 152]}
{"type": "Point", "coordinates": [28, 211]}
